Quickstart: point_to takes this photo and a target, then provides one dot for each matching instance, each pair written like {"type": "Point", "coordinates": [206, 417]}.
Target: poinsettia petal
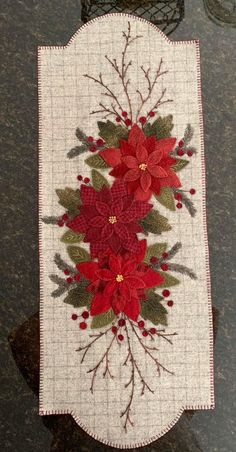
{"type": "Point", "coordinates": [104, 195]}
{"type": "Point", "coordinates": [150, 143]}
{"type": "Point", "coordinates": [119, 170]}
{"type": "Point", "coordinates": [136, 136]}
{"type": "Point", "coordinates": [132, 245]}
{"type": "Point", "coordinates": [115, 264]}
{"type": "Point", "coordinates": [157, 171]}
{"type": "Point", "coordinates": [110, 288]}
{"type": "Point", "coordinates": [155, 157]}
{"type": "Point", "coordinates": [132, 175]}
{"type": "Point", "coordinates": [105, 274]}
{"type": "Point", "coordinates": [88, 269]}
{"type": "Point", "coordinates": [141, 195]}
{"type": "Point", "coordinates": [134, 282]}
{"type": "Point", "coordinates": [166, 145]}
{"type": "Point", "coordinates": [134, 227]}
{"type": "Point", "coordinates": [93, 235]}
{"type": "Point", "coordinates": [98, 221]}
{"type": "Point", "coordinates": [132, 308]}
{"type": "Point", "coordinates": [130, 161]}
{"type": "Point", "coordinates": [141, 153]}
{"type": "Point", "coordinates": [88, 195]}
{"type": "Point", "coordinates": [117, 206]}
{"type": "Point", "coordinates": [145, 180]}
{"type": "Point", "coordinates": [107, 231]}
{"type": "Point", "coordinates": [78, 224]}
{"type": "Point", "coordinates": [127, 148]}
{"type": "Point", "coordinates": [118, 304]}
{"type": "Point", "coordinates": [121, 230]}
{"type": "Point", "coordinates": [100, 304]}
{"type": "Point", "coordinates": [128, 267]}
{"type": "Point", "coordinates": [114, 243]}
{"type": "Point", "coordinates": [98, 248]}
{"type": "Point", "coordinates": [124, 290]}
{"type": "Point", "coordinates": [103, 209]}
{"type": "Point", "coordinates": [171, 181]}
{"type": "Point", "coordinates": [119, 189]}
{"type": "Point", "coordinates": [141, 208]}
{"type": "Point", "coordinates": [156, 185]}
{"type": "Point", "coordinates": [152, 278]}
{"type": "Point", "coordinates": [142, 250]}
{"type": "Point", "coordinates": [111, 156]}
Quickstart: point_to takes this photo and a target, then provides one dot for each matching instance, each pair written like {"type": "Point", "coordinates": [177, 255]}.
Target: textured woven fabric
{"type": "Point", "coordinates": [66, 99]}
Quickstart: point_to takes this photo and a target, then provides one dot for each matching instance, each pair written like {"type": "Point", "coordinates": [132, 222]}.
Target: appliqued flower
{"type": "Point", "coordinates": [109, 219]}
{"type": "Point", "coordinates": [119, 282]}
{"type": "Point", "coordinates": [144, 163]}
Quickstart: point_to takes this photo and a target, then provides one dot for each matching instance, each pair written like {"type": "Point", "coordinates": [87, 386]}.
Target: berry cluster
{"type": "Point", "coordinates": [85, 315]}
{"type": "Point", "coordinates": [80, 178]}
{"type": "Point", "coordinates": [71, 278]}
{"type": "Point", "coordinates": [179, 197]}
{"type": "Point", "coordinates": [181, 151]}
{"type": "Point", "coordinates": [124, 118]}
{"type": "Point", "coordinates": [63, 220]}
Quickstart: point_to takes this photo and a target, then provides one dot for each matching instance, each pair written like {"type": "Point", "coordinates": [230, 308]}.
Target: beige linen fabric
{"type": "Point", "coordinates": [66, 99]}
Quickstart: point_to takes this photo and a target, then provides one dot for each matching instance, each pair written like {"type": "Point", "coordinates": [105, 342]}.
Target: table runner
{"type": "Point", "coordinates": [125, 308]}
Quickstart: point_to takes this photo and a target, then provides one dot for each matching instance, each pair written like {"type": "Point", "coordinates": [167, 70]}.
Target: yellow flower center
{"type": "Point", "coordinates": [143, 166]}
{"type": "Point", "coordinates": [112, 219]}
{"type": "Point", "coordinates": [119, 278]}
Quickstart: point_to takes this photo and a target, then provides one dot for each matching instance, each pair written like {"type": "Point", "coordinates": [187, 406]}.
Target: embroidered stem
{"type": "Point", "coordinates": [109, 92]}
{"type": "Point", "coordinates": [87, 347]}
{"type": "Point", "coordinates": [107, 369]}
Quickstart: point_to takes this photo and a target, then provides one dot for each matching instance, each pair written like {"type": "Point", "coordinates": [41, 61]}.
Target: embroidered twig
{"type": "Point", "coordinates": [107, 369]}
{"type": "Point", "coordinates": [89, 345]}
{"type": "Point", "coordinates": [50, 220]}
{"type": "Point", "coordinates": [108, 93]}
{"type": "Point", "coordinates": [182, 269]}
{"type": "Point", "coordinates": [187, 202]}
{"type": "Point", "coordinates": [77, 150]}
{"type": "Point", "coordinates": [151, 85]}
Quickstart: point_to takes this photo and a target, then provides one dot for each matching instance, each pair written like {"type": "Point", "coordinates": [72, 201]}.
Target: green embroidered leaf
{"type": "Point", "coordinates": [78, 297]}
{"type": "Point", "coordinates": [166, 198]}
{"type": "Point", "coordinates": [161, 127]}
{"type": "Point", "coordinates": [169, 280]}
{"type": "Point", "coordinates": [153, 310]}
{"type": "Point", "coordinates": [103, 319]}
{"type": "Point", "coordinates": [98, 180]}
{"type": "Point", "coordinates": [181, 163]}
{"type": "Point", "coordinates": [157, 249]}
{"type": "Point", "coordinates": [155, 223]}
{"type": "Point", "coordinates": [96, 161]}
{"type": "Point", "coordinates": [72, 237]}
{"type": "Point", "coordinates": [78, 254]}
{"type": "Point", "coordinates": [112, 133]}
{"type": "Point", "coordinates": [70, 199]}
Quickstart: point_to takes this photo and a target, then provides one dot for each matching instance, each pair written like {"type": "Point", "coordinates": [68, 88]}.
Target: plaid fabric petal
{"type": "Point", "coordinates": [78, 224]}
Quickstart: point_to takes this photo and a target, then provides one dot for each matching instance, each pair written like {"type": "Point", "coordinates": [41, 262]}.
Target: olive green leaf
{"type": "Point", "coordinates": [155, 223]}
{"type": "Point", "coordinates": [153, 310]}
{"type": "Point", "coordinates": [169, 280]}
{"type": "Point", "coordinates": [179, 165]}
{"type": "Point", "coordinates": [166, 198]}
{"type": "Point", "coordinates": [70, 199]}
{"type": "Point", "coordinates": [96, 161]}
{"type": "Point", "coordinates": [157, 249]}
{"type": "Point", "coordinates": [103, 319]}
{"type": "Point", "coordinates": [161, 127]}
{"type": "Point", "coordinates": [78, 297]}
{"type": "Point", "coordinates": [112, 133]}
{"type": "Point", "coordinates": [78, 254]}
{"type": "Point", "coordinates": [98, 180]}
{"type": "Point", "coordinates": [72, 237]}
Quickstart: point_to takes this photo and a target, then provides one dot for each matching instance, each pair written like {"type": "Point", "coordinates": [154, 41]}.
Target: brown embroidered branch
{"type": "Point", "coordinates": [151, 85]}
{"type": "Point", "coordinates": [108, 93]}
{"type": "Point", "coordinates": [107, 369]}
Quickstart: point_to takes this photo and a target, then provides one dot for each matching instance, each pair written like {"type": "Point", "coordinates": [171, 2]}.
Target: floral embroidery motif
{"type": "Point", "coordinates": [121, 287]}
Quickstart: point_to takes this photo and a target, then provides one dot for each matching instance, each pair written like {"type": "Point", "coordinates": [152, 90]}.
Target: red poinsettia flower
{"type": "Point", "coordinates": [109, 219]}
{"type": "Point", "coordinates": [143, 163]}
{"type": "Point", "coordinates": [120, 282]}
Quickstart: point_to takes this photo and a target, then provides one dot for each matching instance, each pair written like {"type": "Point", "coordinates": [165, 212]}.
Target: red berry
{"type": "Point", "coordinates": [166, 293]}
{"type": "Point", "coordinates": [74, 317]}
{"type": "Point", "coordinates": [80, 177]}
{"type": "Point", "coordinates": [69, 280]}
{"type": "Point", "coordinates": [181, 143]}
{"type": "Point", "coordinates": [114, 329]}
{"type": "Point", "coordinates": [192, 191]}
{"type": "Point", "coordinates": [66, 271]}
{"type": "Point", "coordinates": [128, 122]}
{"type": "Point", "coordinates": [65, 217]}
{"type": "Point", "coordinates": [86, 180]}
{"type": "Point", "coordinates": [93, 148]}
{"type": "Point", "coordinates": [164, 267]}
{"type": "Point", "coordinates": [151, 114]}
{"type": "Point", "coordinates": [154, 260]}
{"type": "Point", "coordinates": [143, 119]}
{"type": "Point", "coordinates": [100, 142]}
{"type": "Point", "coordinates": [90, 139]}
{"type": "Point", "coordinates": [120, 337]}
{"type": "Point", "coordinates": [180, 152]}
{"type": "Point", "coordinates": [141, 324]}
{"type": "Point", "coordinates": [121, 322]}
{"type": "Point", "coordinates": [145, 333]}
{"type": "Point", "coordinates": [170, 303]}
{"type": "Point", "coordinates": [118, 119]}
{"type": "Point", "coordinates": [153, 330]}
{"type": "Point", "coordinates": [124, 114]}
{"type": "Point", "coordinates": [179, 205]}
{"type": "Point", "coordinates": [190, 153]}
{"type": "Point", "coordinates": [85, 315]}
{"type": "Point", "coordinates": [178, 196]}
{"type": "Point", "coordinates": [77, 277]}
{"type": "Point", "coordinates": [60, 223]}
{"type": "Point", "coordinates": [83, 325]}
{"type": "Point", "coordinates": [165, 255]}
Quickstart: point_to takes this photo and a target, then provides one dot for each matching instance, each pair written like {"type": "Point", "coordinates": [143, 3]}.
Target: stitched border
{"type": "Point", "coordinates": [201, 124]}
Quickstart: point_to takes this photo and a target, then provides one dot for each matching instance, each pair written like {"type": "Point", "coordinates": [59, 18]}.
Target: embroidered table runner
{"type": "Point", "coordinates": [125, 310]}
